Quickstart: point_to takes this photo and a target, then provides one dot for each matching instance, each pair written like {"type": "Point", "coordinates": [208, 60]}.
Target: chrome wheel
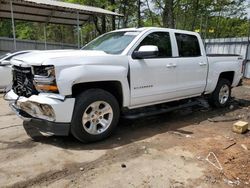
{"type": "Point", "coordinates": [224, 94]}
{"type": "Point", "coordinates": [97, 117]}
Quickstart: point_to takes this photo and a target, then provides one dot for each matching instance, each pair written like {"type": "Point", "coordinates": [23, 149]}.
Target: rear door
{"type": "Point", "coordinates": [191, 65]}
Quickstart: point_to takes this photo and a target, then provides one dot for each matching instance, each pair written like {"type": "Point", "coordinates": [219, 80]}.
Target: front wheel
{"type": "Point", "coordinates": [222, 94]}
{"type": "Point", "coordinates": [96, 115]}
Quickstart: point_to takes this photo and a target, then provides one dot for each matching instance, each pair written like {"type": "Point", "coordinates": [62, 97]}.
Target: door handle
{"type": "Point", "coordinates": [171, 65]}
{"type": "Point", "coordinates": [202, 64]}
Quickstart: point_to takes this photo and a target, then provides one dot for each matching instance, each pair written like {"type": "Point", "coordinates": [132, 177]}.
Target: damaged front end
{"type": "Point", "coordinates": [35, 109]}
{"type": "Point", "coordinates": [35, 98]}
{"type": "Point", "coordinates": [29, 81]}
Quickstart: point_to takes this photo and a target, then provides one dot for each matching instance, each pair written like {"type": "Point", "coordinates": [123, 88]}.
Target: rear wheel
{"type": "Point", "coordinates": [96, 115]}
{"type": "Point", "coordinates": [222, 94]}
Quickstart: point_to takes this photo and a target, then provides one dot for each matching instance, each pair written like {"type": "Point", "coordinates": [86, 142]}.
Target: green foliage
{"type": "Point", "coordinates": [5, 28]}
{"type": "Point", "coordinates": [28, 30]}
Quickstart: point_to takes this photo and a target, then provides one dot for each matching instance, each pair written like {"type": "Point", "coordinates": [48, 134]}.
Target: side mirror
{"type": "Point", "coordinates": [147, 51]}
{"type": "Point", "coordinates": [4, 62]}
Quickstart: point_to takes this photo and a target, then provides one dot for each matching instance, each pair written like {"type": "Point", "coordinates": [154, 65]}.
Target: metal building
{"type": "Point", "coordinates": [240, 46]}
{"type": "Point", "coordinates": [49, 11]}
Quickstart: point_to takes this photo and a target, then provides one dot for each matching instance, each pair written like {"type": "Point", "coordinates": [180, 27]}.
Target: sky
{"type": "Point", "coordinates": [248, 10]}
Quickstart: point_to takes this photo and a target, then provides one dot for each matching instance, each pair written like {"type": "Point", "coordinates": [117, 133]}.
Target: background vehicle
{"type": "Point", "coordinates": [84, 91]}
{"type": "Point", "coordinates": [5, 68]}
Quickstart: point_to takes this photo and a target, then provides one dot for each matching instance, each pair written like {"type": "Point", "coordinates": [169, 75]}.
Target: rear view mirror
{"type": "Point", "coordinates": [147, 51]}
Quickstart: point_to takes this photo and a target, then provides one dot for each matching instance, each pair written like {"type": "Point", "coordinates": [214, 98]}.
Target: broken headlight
{"type": "Point", "coordinates": [45, 79]}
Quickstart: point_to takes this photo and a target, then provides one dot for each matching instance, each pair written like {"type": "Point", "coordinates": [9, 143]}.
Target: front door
{"type": "Point", "coordinates": [154, 79]}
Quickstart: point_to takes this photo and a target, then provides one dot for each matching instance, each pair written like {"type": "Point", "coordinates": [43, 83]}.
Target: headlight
{"type": "Point", "coordinates": [44, 79]}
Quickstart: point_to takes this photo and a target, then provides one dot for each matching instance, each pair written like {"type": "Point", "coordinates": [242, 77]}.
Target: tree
{"type": "Point", "coordinates": [168, 14]}
{"type": "Point", "coordinates": [139, 13]}
{"type": "Point", "coordinates": [112, 2]}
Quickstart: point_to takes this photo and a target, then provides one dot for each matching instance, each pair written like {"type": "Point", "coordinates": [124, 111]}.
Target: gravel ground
{"type": "Point", "coordinates": [168, 150]}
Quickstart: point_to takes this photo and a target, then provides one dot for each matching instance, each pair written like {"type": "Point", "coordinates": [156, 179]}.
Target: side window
{"type": "Point", "coordinates": [161, 40]}
{"type": "Point", "coordinates": [188, 45]}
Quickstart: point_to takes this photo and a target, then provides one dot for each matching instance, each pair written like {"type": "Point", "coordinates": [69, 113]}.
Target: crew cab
{"type": "Point", "coordinates": [83, 92]}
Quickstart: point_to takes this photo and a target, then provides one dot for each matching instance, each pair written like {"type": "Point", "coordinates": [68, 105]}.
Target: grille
{"type": "Point", "coordinates": [23, 81]}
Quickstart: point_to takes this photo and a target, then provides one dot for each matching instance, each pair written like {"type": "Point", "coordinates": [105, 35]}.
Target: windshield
{"type": "Point", "coordinates": [112, 43]}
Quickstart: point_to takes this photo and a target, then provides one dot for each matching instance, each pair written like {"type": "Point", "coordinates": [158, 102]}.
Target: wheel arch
{"type": "Point", "coordinates": [228, 75]}
{"type": "Point", "coordinates": [113, 87]}
{"type": "Point", "coordinates": [216, 76]}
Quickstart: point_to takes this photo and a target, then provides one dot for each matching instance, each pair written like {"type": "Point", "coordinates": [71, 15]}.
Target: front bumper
{"type": "Point", "coordinates": [45, 106]}
{"type": "Point", "coordinates": [48, 113]}
{"type": "Point", "coordinates": [33, 126]}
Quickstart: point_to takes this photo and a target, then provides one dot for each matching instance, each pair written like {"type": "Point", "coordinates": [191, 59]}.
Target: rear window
{"type": "Point", "coordinates": [188, 45]}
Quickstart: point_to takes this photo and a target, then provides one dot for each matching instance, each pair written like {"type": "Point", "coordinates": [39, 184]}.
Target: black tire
{"type": "Point", "coordinates": [214, 98]}
{"type": "Point", "coordinates": [83, 101]}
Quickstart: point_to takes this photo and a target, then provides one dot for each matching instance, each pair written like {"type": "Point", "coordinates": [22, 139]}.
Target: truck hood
{"type": "Point", "coordinates": [38, 58]}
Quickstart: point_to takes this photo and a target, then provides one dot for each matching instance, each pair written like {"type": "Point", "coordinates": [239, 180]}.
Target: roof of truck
{"type": "Point", "coordinates": [140, 29]}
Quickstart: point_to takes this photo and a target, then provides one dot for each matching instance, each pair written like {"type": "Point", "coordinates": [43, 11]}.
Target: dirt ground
{"type": "Point", "coordinates": [193, 147]}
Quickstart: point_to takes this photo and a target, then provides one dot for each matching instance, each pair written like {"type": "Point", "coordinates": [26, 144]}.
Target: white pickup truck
{"type": "Point", "coordinates": [83, 92]}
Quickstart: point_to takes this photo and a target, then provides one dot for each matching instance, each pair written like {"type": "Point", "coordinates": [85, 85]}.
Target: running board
{"type": "Point", "coordinates": [131, 116]}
